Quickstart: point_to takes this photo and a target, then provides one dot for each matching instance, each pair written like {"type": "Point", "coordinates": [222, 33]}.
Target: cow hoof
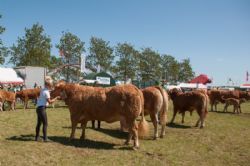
{"type": "Point", "coordinates": [155, 138]}
{"type": "Point", "coordinates": [201, 127]}
{"type": "Point", "coordinates": [136, 148]}
{"type": "Point", "coordinates": [161, 136]}
{"type": "Point", "coordinates": [126, 143]}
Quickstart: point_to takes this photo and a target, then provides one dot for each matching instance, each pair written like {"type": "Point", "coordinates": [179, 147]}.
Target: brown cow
{"type": "Point", "coordinates": [27, 94]}
{"type": "Point", "coordinates": [190, 101]}
{"type": "Point", "coordinates": [235, 102]}
{"type": "Point", "coordinates": [205, 92]}
{"type": "Point", "coordinates": [216, 96]}
{"type": "Point", "coordinates": [156, 102]}
{"type": "Point", "coordinates": [104, 104]}
{"type": "Point", "coordinates": [9, 97]}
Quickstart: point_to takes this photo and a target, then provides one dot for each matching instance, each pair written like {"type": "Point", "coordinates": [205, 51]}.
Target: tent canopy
{"type": "Point", "coordinates": [245, 86]}
{"type": "Point", "coordinates": [9, 76]}
{"type": "Point", "coordinates": [202, 79]}
{"type": "Point", "coordinates": [192, 86]}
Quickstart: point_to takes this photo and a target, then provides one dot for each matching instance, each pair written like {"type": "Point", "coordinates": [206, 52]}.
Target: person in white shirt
{"type": "Point", "coordinates": [42, 102]}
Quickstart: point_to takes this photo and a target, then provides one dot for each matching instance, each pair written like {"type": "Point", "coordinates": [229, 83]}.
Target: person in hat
{"type": "Point", "coordinates": [43, 101]}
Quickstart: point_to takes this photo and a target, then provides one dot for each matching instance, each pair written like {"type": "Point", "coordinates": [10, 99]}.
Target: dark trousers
{"type": "Point", "coordinates": [41, 119]}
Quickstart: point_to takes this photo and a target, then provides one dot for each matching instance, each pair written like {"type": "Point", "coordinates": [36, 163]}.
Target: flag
{"type": "Point", "coordinates": [247, 75]}
{"type": "Point", "coordinates": [82, 63]}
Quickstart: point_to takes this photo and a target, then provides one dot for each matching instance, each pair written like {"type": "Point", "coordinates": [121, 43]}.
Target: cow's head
{"type": "Point", "coordinates": [173, 93]}
{"type": "Point", "coordinates": [59, 90]}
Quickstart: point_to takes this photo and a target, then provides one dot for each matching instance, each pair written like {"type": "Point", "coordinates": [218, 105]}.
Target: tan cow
{"type": "Point", "coordinates": [190, 101]}
{"type": "Point", "coordinates": [27, 94]}
{"type": "Point", "coordinates": [156, 103]}
{"type": "Point", "coordinates": [9, 97]}
{"type": "Point", "coordinates": [235, 102]}
{"type": "Point", "coordinates": [105, 104]}
{"type": "Point", "coordinates": [216, 96]}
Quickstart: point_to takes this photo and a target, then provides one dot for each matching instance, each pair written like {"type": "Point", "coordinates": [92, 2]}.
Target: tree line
{"type": "Point", "coordinates": [123, 60]}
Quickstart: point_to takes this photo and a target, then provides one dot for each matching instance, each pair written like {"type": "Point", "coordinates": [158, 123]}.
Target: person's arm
{"type": "Point", "coordinates": [52, 100]}
{"type": "Point", "coordinates": [49, 100]}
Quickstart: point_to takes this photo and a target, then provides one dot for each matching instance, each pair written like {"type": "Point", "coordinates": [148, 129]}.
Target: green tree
{"type": "Point", "coordinates": [55, 65]}
{"type": "Point", "coordinates": [170, 68]}
{"type": "Point", "coordinates": [100, 55]}
{"type": "Point", "coordinates": [186, 72]}
{"type": "Point", "coordinates": [71, 48]}
{"type": "Point", "coordinates": [149, 65]}
{"type": "Point", "coordinates": [33, 49]}
{"type": "Point", "coordinates": [125, 66]}
{"type": "Point", "coordinates": [3, 50]}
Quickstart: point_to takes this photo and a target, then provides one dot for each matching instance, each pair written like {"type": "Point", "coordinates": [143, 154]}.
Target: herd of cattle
{"type": "Point", "coordinates": [125, 103]}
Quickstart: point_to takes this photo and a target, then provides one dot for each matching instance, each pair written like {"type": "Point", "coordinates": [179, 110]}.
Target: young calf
{"type": "Point", "coordinates": [235, 102]}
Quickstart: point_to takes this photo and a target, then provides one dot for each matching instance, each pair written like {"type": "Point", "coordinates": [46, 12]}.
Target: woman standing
{"type": "Point", "coordinates": [42, 102]}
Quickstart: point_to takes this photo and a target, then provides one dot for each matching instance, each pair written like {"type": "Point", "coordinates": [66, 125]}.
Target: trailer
{"type": "Point", "coordinates": [32, 75]}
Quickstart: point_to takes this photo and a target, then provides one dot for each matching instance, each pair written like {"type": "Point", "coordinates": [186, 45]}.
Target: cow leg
{"type": "Point", "coordinates": [175, 112]}
{"type": "Point", "coordinates": [25, 103]}
{"type": "Point", "coordinates": [163, 127]}
{"type": "Point", "coordinates": [93, 124]}
{"type": "Point", "coordinates": [183, 116]}
{"type": "Point", "coordinates": [13, 106]}
{"type": "Point", "coordinates": [202, 114]}
{"type": "Point", "coordinates": [198, 122]}
{"type": "Point", "coordinates": [134, 131]}
{"type": "Point", "coordinates": [73, 128]}
{"type": "Point", "coordinates": [155, 123]}
{"type": "Point", "coordinates": [99, 124]}
{"type": "Point", "coordinates": [225, 108]}
{"type": "Point", "coordinates": [212, 104]}
{"type": "Point", "coordinates": [215, 106]}
{"type": "Point", "coordinates": [239, 109]}
{"type": "Point", "coordinates": [83, 125]}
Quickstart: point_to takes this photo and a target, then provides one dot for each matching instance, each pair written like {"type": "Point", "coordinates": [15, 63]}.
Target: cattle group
{"type": "Point", "coordinates": [127, 103]}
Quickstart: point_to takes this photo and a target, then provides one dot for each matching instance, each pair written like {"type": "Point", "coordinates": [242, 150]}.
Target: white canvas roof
{"type": "Point", "coordinates": [192, 85]}
{"type": "Point", "coordinates": [9, 76]}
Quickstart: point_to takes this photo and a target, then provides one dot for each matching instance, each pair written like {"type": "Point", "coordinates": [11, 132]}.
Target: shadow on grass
{"type": "Point", "coordinates": [111, 132]}
{"type": "Point", "coordinates": [92, 144]}
{"type": "Point", "coordinates": [221, 112]}
{"type": "Point", "coordinates": [29, 137]}
{"type": "Point", "coordinates": [114, 133]}
{"type": "Point", "coordinates": [178, 126]}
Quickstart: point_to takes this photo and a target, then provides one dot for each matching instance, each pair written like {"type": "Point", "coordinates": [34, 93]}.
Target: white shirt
{"type": "Point", "coordinates": [42, 100]}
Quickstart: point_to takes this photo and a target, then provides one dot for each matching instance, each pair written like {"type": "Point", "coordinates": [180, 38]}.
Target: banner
{"type": "Point", "coordinates": [103, 80]}
{"type": "Point", "coordinates": [82, 63]}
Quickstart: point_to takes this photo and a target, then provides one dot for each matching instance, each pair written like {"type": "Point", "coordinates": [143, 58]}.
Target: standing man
{"type": "Point", "coordinates": [42, 102]}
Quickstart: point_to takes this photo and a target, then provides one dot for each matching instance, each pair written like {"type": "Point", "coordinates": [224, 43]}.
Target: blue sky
{"type": "Point", "coordinates": [214, 34]}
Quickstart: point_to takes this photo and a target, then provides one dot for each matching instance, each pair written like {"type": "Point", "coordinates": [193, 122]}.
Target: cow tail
{"type": "Point", "coordinates": [164, 109]}
{"type": "Point", "coordinates": [143, 128]}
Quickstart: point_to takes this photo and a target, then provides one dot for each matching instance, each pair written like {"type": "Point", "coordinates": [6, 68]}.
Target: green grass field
{"type": "Point", "coordinates": [225, 140]}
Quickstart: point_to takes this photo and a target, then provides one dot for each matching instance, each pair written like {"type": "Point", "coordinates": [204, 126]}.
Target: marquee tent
{"type": "Point", "coordinates": [192, 86]}
{"type": "Point", "coordinates": [201, 79]}
{"type": "Point", "coordinates": [9, 76]}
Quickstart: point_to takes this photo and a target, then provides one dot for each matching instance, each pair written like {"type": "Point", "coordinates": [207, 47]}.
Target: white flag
{"type": "Point", "coordinates": [82, 63]}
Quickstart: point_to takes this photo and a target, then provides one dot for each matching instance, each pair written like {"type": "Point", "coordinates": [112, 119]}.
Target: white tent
{"type": "Point", "coordinates": [245, 86]}
{"type": "Point", "coordinates": [9, 76]}
{"type": "Point", "coordinates": [192, 86]}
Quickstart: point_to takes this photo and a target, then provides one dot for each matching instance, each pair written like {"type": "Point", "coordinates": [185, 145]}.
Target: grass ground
{"type": "Point", "coordinates": [224, 141]}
